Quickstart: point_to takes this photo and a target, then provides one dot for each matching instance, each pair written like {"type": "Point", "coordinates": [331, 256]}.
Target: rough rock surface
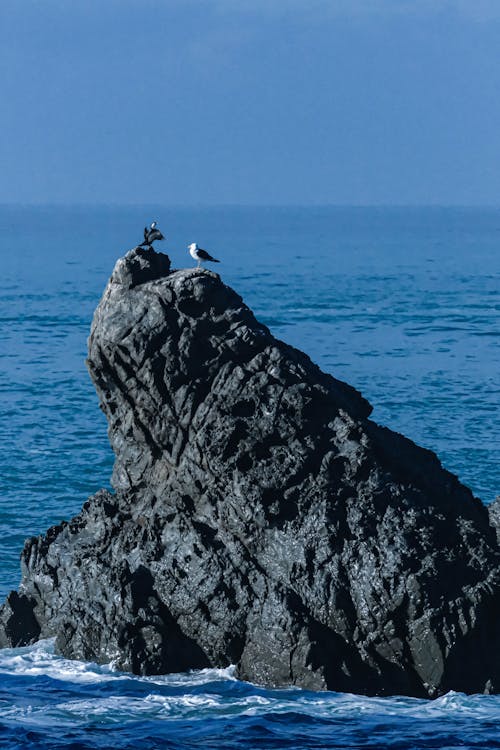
{"type": "Point", "coordinates": [260, 518]}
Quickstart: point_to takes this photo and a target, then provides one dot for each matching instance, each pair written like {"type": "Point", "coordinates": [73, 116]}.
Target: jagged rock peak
{"type": "Point", "coordinates": [259, 516]}
{"type": "Point", "coordinates": [140, 265]}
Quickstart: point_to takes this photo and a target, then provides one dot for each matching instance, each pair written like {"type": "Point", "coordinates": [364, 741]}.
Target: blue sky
{"type": "Point", "coordinates": [250, 102]}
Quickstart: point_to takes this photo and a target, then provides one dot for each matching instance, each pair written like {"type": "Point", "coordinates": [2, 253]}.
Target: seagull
{"type": "Point", "coordinates": [200, 255]}
{"type": "Point", "coordinates": [152, 234]}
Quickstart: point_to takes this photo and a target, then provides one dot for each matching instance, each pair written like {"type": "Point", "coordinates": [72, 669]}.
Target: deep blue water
{"type": "Point", "coordinates": [402, 303]}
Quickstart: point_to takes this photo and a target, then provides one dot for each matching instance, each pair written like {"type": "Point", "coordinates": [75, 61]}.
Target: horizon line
{"type": "Point", "coordinates": [208, 206]}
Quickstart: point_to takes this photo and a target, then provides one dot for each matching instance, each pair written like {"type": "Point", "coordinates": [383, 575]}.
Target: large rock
{"type": "Point", "coordinates": [260, 518]}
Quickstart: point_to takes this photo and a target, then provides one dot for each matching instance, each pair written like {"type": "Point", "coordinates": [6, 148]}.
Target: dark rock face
{"type": "Point", "coordinates": [260, 518]}
{"type": "Point", "coordinates": [494, 514]}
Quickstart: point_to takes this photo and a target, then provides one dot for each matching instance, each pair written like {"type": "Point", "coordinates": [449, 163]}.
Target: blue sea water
{"type": "Point", "coordinates": [402, 303]}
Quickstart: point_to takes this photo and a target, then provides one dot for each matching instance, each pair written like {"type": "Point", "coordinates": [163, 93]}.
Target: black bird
{"type": "Point", "coordinates": [152, 234]}
{"type": "Point", "coordinates": [200, 255]}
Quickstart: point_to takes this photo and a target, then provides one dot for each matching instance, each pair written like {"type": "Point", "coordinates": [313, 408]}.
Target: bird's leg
{"type": "Point", "coordinates": [199, 264]}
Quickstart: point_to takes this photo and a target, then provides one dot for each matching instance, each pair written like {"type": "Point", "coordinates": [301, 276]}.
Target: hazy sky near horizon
{"type": "Point", "coordinates": [250, 101]}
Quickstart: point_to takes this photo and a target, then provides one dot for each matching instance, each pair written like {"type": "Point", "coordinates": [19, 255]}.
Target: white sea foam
{"type": "Point", "coordinates": [111, 710]}
{"type": "Point", "coordinates": [172, 696]}
{"type": "Point", "coordinates": [40, 659]}
{"type": "Point", "coordinates": [122, 709]}
{"type": "Point", "coordinates": [195, 677]}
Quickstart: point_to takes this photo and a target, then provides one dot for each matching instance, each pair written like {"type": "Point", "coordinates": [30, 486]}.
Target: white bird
{"type": "Point", "coordinates": [152, 234]}
{"type": "Point", "coordinates": [200, 255]}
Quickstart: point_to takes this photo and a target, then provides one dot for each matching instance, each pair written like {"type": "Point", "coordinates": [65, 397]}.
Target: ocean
{"type": "Point", "coordinates": [402, 303]}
